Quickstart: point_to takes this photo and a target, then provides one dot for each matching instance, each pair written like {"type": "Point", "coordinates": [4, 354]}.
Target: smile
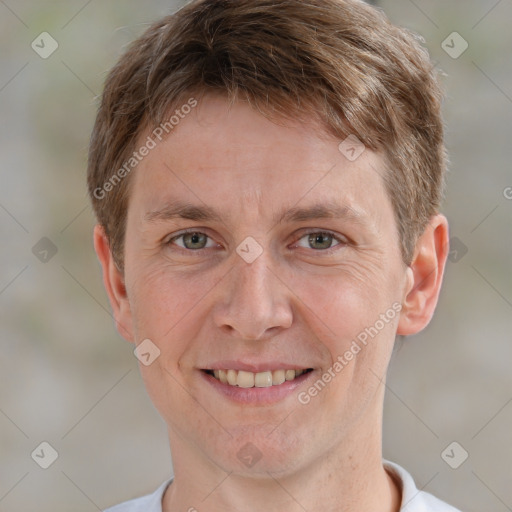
{"type": "Point", "coordinates": [245, 379]}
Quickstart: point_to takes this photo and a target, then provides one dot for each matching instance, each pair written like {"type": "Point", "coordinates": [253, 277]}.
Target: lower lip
{"type": "Point", "coordinates": [257, 396]}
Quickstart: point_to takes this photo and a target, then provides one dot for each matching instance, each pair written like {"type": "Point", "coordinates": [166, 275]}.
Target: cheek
{"type": "Point", "coordinates": [164, 306]}
{"type": "Point", "coordinates": [163, 302]}
{"type": "Point", "coordinates": [343, 302]}
{"type": "Point", "coordinates": [345, 314]}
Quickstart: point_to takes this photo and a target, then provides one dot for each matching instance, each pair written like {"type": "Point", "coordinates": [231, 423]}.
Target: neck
{"type": "Point", "coordinates": [349, 477]}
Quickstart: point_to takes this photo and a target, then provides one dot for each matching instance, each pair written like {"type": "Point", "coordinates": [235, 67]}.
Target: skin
{"type": "Point", "coordinates": [296, 303]}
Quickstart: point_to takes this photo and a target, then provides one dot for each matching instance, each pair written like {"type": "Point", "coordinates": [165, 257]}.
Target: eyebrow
{"type": "Point", "coordinates": [326, 210]}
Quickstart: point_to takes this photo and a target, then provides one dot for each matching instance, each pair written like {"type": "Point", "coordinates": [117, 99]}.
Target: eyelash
{"type": "Point", "coordinates": [342, 241]}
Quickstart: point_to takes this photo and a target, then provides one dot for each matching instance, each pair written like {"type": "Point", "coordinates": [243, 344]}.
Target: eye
{"type": "Point", "coordinates": [317, 240]}
{"type": "Point", "coordinates": [321, 240]}
{"type": "Point", "coordinates": [192, 240]}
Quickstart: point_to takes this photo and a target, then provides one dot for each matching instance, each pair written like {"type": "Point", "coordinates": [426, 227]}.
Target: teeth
{"type": "Point", "coordinates": [245, 379]}
{"type": "Point", "coordinates": [232, 374]}
{"type": "Point", "coordinates": [262, 379]}
{"type": "Point", "coordinates": [278, 377]}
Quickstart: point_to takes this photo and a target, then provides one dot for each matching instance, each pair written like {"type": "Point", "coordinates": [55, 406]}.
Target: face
{"type": "Point", "coordinates": [260, 248]}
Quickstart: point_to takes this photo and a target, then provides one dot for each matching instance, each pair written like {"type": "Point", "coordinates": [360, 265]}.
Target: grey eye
{"type": "Point", "coordinates": [319, 240]}
{"type": "Point", "coordinates": [192, 241]}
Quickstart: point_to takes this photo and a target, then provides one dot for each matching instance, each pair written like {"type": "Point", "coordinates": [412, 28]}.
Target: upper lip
{"type": "Point", "coordinates": [254, 367]}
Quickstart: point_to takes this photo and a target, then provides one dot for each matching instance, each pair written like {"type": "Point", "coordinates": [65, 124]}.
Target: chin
{"type": "Point", "coordinates": [259, 450]}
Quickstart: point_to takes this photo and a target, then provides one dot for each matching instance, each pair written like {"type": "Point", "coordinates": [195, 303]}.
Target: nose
{"type": "Point", "coordinates": [255, 302]}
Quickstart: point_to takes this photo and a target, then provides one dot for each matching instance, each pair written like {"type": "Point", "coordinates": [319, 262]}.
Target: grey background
{"type": "Point", "coordinates": [69, 379]}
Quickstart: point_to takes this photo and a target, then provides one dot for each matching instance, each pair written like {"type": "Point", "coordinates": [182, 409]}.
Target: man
{"type": "Point", "coordinates": [267, 178]}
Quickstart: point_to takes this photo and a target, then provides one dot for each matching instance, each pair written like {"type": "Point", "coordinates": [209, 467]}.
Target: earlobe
{"type": "Point", "coordinates": [113, 281]}
{"type": "Point", "coordinates": [425, 276]}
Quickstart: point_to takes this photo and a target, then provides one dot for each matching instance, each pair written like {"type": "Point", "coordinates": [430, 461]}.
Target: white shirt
{"type": "Point", "coordinates": [413, 500]}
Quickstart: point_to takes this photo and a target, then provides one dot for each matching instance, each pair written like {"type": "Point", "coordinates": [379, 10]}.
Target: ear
{"type": "Point", "coordinates": [113, 281]}
{"type": "Point", "coordinates": [425, 275]}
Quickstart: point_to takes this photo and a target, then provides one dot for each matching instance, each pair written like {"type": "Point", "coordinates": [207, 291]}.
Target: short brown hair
{"type": "Point", "coordinates": [341, 61]}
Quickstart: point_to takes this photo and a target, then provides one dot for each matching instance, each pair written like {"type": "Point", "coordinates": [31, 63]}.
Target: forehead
{"type": "Point", "coordinates": [227, 159]}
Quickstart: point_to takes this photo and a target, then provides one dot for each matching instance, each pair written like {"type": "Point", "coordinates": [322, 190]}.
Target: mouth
{"type": "Point", "coordinates": [265, 379]}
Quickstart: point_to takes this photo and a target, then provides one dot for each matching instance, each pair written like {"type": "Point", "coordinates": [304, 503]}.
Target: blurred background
{"type": "Point", "coordinates": [68, 379]}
